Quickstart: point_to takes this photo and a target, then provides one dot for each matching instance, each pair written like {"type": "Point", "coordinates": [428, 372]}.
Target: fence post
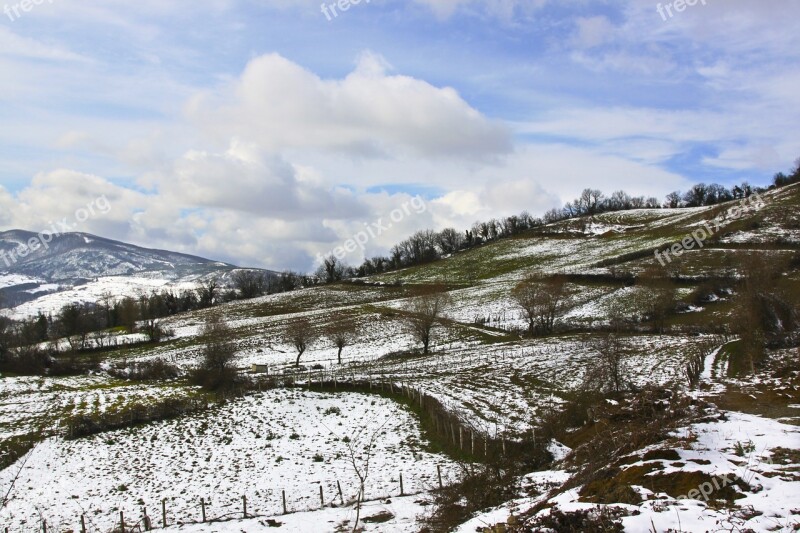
{"type": "Point", "coordinates": [164, 512]}
{"type": "Point", "coordinates": [284, 502]}
{"type": "Point", "coordinates": [402, 490]}
{"type": "Point", "coordinates": [321, 495]}
{"type": "Point", "coordinates": [244, 505]}
{"type": "Point", "coordinates": [203, 508]}
{"type": "Point", "coordinates": [439, 474]}
{"type": "Point", "coordinates": [339, 488]}
{"type": "Point", "coordinates": [146, 519]}
{"type": "Point", "coordinates": [83, 524]}
{"type": "Point", "coordinates": [122, 521]}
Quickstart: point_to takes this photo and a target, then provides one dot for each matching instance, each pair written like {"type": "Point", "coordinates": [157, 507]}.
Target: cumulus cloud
{"type": "Point", "coordinates": [370, 113]}
{"type": "Point", "coordinates": [245, 179]}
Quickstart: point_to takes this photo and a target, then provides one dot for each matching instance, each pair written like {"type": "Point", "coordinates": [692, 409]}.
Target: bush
{"type": "Point", "coordinates": [155, 370]}
{"type": "Point", "coordinates": [600, 520]}
{"type": "Point", "coordinates": [216, 371]}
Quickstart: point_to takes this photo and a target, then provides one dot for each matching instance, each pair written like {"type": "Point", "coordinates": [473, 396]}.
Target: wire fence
{"type": "Point", "coordinates": [452, 433]}
{"type": "Point", "coordinates": [263, 505]}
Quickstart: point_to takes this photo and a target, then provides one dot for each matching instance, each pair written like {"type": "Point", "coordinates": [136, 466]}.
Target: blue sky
{"type": "Point", "coordinates": [260, 132]}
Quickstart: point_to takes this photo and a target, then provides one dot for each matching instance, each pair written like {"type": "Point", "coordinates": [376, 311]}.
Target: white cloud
{"type": "Point", "coordinates": [281, 105]}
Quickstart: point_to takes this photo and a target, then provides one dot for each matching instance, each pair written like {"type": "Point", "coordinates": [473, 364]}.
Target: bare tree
{"type": "Point", "coordinates": [424, 311]}
{"type": "Point", "coordinates": [332, 270]}
{"type": "Point", "coordinates": [656, 300]}
{"type": "Point", "coordinates": [541, 300]}
{"type": "Point", "coordinates": [301, 334]}
{"type": "Point", "coordinates": [606, 373]}
{"type": "Point", "coordinates": [207, 292]}
{"type": "Point", "coordinates": [216, 370]}
{"type": "Point", "coordinates": [763, 311]}
{"type": "Point", "coordinates": [5, 338]}
{"type": "Point", "coordinates": [8, 494]}
{"type": "Point", "coordinates": [360, 449]}
{"type": "Point", "coordinates": [250, 283]}
{"type": "Point", "coordinates": [449, 241]}
{"type": "Point", "coordinates": [342, 333]}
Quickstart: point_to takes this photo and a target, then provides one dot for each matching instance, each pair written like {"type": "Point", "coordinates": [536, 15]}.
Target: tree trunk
{"type": "Point", "coordinates": [340, 354]}
{"type": "Point", "coordinates": [299, 355]}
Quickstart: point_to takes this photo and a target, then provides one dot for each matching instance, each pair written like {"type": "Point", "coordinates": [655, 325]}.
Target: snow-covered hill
{"type": "Point", "coordinates": [43, 273]}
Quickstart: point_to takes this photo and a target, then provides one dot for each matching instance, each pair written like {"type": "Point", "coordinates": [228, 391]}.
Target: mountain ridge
{"type": "Point", "coordinates": [37, 267]}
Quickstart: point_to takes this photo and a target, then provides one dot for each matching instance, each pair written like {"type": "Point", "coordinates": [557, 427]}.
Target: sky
{"type": "Point", "coordinates": [267, 132]}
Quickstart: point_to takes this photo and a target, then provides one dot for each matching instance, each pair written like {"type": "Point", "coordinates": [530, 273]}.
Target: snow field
{"type": "Point", "coordinates": [257, 446]}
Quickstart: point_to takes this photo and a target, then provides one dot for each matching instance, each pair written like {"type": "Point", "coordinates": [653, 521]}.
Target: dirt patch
{"type": "Point", "coordinates": [606, 489]}
{"type": "Point", "coordinates": [380, 518]}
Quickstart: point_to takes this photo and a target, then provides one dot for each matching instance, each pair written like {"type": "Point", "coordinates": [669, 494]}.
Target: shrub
{"type": "Point", "coordinates": [154, 370]}
{"type": "Point", "coordinates": [216, 371]}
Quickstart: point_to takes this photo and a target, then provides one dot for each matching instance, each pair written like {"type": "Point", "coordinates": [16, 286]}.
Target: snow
{"type": "Point", "coordinates": [257, 446]}
{"type": "Point", "coordinates": [710, 447]}
{"type": "Point", "coordinates": [11, 280]}
{"type": "Point", "coordinates": [93, 291]}
{"type": "Point", "coordinates": [405, 519]}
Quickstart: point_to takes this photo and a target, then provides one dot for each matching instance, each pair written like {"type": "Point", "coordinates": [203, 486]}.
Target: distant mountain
{"type": "Point", "coordinates": [79, 256]}
{"type": "Point", "coordinates": [81, 260]}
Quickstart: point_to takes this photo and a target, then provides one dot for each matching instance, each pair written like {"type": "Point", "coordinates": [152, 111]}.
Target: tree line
{"type": "Point", "coordinates": [426, 246]}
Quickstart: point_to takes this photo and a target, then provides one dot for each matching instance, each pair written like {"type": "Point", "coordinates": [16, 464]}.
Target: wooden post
{"type": "Point", "coordinates": [339, 488]}
{"type": "Point", "coordinates": [244, 506]}
{"type": "Point", "coordinates": [321, 496]}
{"type": "Point", "coordinates": [439, 474]}
{"type": "Point", "coordinates": [402, 490]}
{"type": "Point", "coordinates": [83, 524]}
{"type": "Point", "coordinates": [203, 508]}
{"type": "Point", "coordinates": [145, 519]}
{"type": "Point", "coordinates": [164, 513]}
{"type": "Point", "coordinates": [284, 502]}
{"type": "Point", "coordinates": [122, 521]}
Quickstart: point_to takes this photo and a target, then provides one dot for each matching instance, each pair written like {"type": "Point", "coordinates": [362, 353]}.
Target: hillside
{"type": "Point", "coordinates": [617, 458]}
{"type": "Point", "coordinates": [79, 267]}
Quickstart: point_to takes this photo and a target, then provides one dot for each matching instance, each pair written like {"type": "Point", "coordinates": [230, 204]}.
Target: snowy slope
{"type": "Point", "coordinates": [78, 267]}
